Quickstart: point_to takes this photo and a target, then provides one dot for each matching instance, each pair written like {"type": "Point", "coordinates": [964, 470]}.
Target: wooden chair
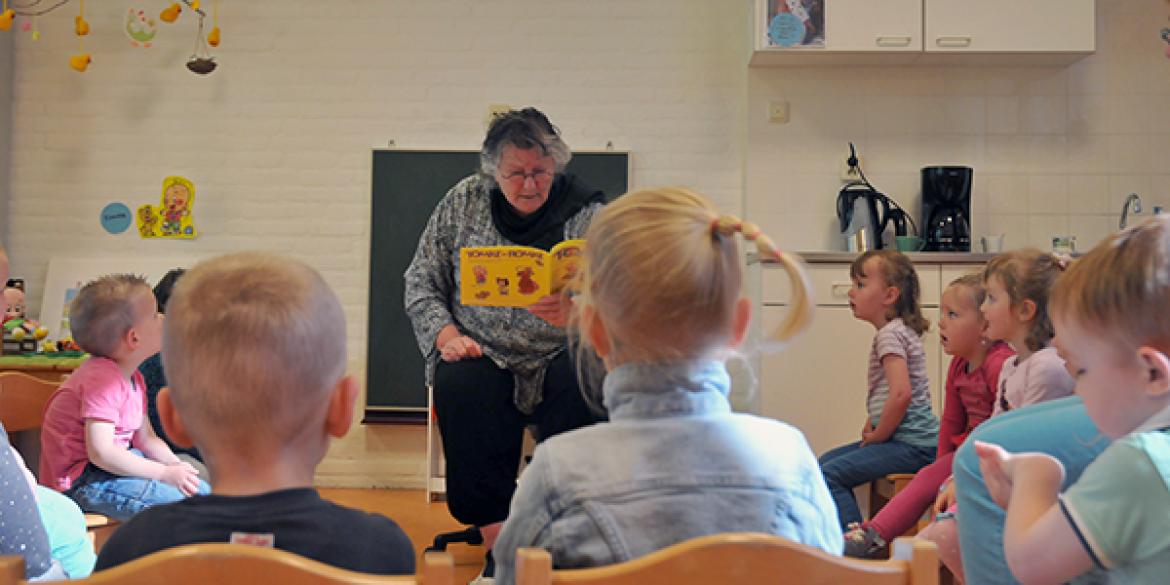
{"type": "Point", "coordinates": [881, 491]}
{"type": "Point", "coordinates": [22, 408]}
{"type": "Point", "coordinates": [228, 564]}
{"type": "Point", "coordinates": [741, 558]}
{"type": "Point", "coordinates": [22, 400]}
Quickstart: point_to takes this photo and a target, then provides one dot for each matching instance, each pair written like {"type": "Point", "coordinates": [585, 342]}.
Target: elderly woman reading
{"type": "Point", "coordinates": [495, 370]}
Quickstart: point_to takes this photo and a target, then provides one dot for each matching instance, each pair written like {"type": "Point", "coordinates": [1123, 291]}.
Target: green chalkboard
{"type": "Point", "coordinates": [406, 186]}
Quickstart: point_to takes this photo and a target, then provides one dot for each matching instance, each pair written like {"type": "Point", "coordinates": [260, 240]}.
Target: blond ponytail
{"type": "Point", "coordinates": [800, 312]}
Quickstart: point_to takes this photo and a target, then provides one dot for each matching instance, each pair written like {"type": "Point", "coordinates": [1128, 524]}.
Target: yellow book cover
{"type": "Point", "coordinates": [516, 276]}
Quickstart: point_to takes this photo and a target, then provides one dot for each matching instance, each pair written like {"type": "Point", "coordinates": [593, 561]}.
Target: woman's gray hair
{"type": "Point", "coordinates": [524, 129]}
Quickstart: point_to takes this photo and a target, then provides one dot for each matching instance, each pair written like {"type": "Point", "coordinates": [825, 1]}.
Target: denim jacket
{"type": "Point", "coordinates": [673, 463]}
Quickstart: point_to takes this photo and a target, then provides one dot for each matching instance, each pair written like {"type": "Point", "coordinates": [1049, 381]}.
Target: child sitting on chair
{"type": "Point", "coordinates": [1109, 311]}
{"type": "Point", "coordinates": [661, 305]}
{"type": "Point", "coordinates": [254, 350]}
{"type": "Point", "coordinates": [97, 446]}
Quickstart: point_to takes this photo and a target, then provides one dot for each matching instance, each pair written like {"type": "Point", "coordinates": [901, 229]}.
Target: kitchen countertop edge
{"type": "Point", "coordinates": [822, 257]}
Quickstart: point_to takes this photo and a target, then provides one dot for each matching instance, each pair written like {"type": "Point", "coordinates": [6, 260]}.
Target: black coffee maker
{"type": "Point", "coordinates": [946, 208]}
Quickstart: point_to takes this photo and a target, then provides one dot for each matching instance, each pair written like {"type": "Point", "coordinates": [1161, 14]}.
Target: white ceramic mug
{"type": "Point", "coordinates": [992, 244]}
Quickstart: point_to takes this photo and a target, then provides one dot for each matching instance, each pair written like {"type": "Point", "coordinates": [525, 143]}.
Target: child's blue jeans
{"type": "Point", "coordinates": [849, 466]}
{"type": "Point", "coordinates": [121, 497]}
{"type": "Point", "coordinates": [1060, 428]}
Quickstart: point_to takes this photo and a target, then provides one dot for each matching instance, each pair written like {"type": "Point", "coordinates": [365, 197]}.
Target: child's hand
{"type": "Point", "coordinates": [183, 476]}
{"type": "Point", "coordinates": [946, 498]}
{"type": "Point", "coordinates": [866, 430]}
{"type": "Point", "coordinates": [997, 466]}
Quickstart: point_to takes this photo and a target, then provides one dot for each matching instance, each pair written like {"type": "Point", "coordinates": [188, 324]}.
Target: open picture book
{"type": "Point", "coordinates": [516, 276]}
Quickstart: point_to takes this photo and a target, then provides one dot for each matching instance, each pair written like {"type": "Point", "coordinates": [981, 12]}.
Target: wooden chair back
{"type": "Point", "coordinates": [239, 564]}
{"type": "Point", "coordinates": [741, 558]}
{"type": "Point", "coordinates": [22, 400]}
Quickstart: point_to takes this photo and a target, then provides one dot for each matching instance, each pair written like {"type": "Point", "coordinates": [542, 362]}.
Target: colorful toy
{"type": "Point", "coordinates": [20, 334]}
{"type": "Point", "coordinates": [140, 28]}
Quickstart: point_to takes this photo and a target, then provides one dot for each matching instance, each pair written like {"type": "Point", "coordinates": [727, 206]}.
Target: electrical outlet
{"type": "Point", "coordinates": [848, 173]}
{"type": "Point", "coordinates": [778, 111]}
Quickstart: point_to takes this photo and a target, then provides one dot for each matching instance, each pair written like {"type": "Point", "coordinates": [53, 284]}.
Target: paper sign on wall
{"type": "Point", "coordinates": [173, 218]}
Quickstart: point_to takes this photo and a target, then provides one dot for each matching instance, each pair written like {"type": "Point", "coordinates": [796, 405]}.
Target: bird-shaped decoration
{"type": "Point", "coordinates": [170, 13]}
{"type": "Point", "coordinates": [80, 62]}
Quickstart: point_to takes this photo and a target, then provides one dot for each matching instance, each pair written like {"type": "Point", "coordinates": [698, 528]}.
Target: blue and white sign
{"type": "Point", "coordinates": [116, 218]}
{"type": "Point", "coordinates": [786, 30]}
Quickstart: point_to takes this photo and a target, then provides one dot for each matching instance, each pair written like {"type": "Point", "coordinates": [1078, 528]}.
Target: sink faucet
{"type": "Point", "coordinates": [1137, 208]}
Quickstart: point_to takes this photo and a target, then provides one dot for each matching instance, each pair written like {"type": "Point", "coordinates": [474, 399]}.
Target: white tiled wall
{"type": "Point", "coordinates": [278, 139]}
{"type": "Point", "coordinates": [1055, 150]}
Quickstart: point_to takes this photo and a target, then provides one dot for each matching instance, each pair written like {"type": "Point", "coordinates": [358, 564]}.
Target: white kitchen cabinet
{"type": "Point", "coordinates": [1009, 26]}
{"type": "Point", "coordinates": [938, 32]}
{"type": "Point", "coordinates": [818, 382]}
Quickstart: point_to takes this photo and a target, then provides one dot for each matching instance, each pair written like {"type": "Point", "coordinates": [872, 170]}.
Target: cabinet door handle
{"type": "Point", "coordinates": [953, 41]}
{"type": "Point", "coordinates": [893, 41]}
{"type": "Point", "coordinates": [840, 290]}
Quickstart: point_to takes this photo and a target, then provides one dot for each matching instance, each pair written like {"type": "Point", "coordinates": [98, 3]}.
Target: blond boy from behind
{"type": "Point", "coordinates": [254, 350]}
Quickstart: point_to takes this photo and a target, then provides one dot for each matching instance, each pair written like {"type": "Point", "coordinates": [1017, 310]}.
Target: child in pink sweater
{"type": "Point", "coordinates": [970, 396]}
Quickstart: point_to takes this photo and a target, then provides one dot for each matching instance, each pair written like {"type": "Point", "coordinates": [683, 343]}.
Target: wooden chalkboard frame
{"type": "Point", "coordinates": [406, 186]}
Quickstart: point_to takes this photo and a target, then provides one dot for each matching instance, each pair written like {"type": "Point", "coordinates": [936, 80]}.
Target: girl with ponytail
{"type": "Point", "coordinates": [660, 302]}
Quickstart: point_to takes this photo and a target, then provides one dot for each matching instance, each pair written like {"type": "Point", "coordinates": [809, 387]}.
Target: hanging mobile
{"type": "Point", "coordinates": [213, 36]}
{"type": "Point", "coordinates": [201, 61]}
{"type": "Point", "coordinates": [80, 61]}
{"type": "Point", "coordinates": [6, 17]}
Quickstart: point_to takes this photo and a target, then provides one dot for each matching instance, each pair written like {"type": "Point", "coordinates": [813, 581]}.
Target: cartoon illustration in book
{"type": "Point", "coordinates": [570, 268]}
{"type": "Point", "coordinates": [488, 273]}
{"type": "Point", "coordinates": [526, 285]}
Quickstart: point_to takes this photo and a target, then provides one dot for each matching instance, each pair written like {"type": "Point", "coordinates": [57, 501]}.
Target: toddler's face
{"type": "Point", "coordinates": [1111, 378]}
{"type": "Point", "coordinates": [960, 325]}
{"type": "Point", "coordinates": [997, 310]}
{"type": "Point", "coordinates": [149, 323]}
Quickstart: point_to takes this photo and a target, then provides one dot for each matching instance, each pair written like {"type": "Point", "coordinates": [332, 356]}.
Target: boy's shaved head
{"type": "Point", "coordinates": [253, 344]}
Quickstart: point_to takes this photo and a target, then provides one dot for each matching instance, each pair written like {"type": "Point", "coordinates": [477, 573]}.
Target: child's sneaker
{"type": "Point", "coordinates": [864, 542]}
{"type": "Point", "coordinates": [488, 575]}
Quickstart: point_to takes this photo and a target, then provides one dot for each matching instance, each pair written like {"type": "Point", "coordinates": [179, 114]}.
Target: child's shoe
{"type": "Point", "coordinates": [488, 575]}
{"type": "Point", "coordinates": [863, 542]}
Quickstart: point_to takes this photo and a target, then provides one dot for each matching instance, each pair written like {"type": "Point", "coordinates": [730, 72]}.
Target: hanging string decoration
{"type": "Point", "coordinates": [201, 61]}
{"type": "Point", "coordinates": [80, 62]}
{"type": "Point", "coordinates": [6, 17]}
{"type": "Point", "coordinates": [139, 28]}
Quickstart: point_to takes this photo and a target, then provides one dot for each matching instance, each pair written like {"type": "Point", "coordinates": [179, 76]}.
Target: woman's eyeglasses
{"type": "Point", "coordinates": [539, 177]}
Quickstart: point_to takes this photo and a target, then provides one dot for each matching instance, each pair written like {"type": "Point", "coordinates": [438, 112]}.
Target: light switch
{"type": "Point", "coordinates": [778, 111]}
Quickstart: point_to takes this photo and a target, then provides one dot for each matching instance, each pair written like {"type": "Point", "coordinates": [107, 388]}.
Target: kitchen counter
{"type": "Point", "coordinates": [832, 257]}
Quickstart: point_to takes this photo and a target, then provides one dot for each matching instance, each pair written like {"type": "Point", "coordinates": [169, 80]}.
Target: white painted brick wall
{"type": "Point", "coordinates": [278, 139]}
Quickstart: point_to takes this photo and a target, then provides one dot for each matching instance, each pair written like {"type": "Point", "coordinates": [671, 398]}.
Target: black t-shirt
{"type": "Point", "coordinates": [295, 520]}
